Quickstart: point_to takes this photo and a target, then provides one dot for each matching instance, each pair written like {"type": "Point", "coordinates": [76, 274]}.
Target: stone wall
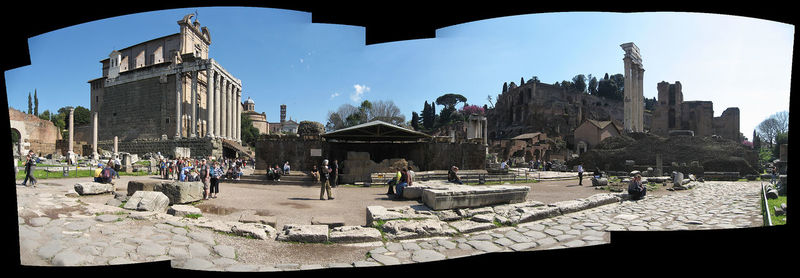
{"type": "Point", "coordinates": [136, 110]}
{"type": "Point", "coordinates": [36, 134]}
{"type": "Point", "coordinates": [426, 156]}
{"type": "Point", "coordinates": [296, 150]}
{"type": "Point", "coordinates": [727, 124]}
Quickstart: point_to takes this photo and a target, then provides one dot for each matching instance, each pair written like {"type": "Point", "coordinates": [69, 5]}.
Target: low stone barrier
{"type": "Point", "coordinates": [411, 229]}
{"type": "Point", "coordinates": [721, 176]}
{"type": "Point", "coordinates": [183, 210]}
{"type": "Point", "coordinates": [93, 188]}
{"type": "Point", "coordinates": [304, 233]}
{"type": "Point", "coordinates": [178, 192]}
{"type": "Point", "coordinates": [473, 196]}
{"type": "Point", "coordinates": [353, 234]}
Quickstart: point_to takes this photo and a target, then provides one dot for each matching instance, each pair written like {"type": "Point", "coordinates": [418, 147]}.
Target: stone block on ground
{"type": "Point", "coordinates": [375, 213]}
{"type": "Point", "coordinates": [473, 196]}
{"type": "Point", "coordinates": [304, 233]}
{"type": "Point", "coordinates": [330, 221]}
{"type": "Point", "coordinates": [410, 229]}
{"type": "Point", "coordinates": [468, 226]}
{"type": "Point", "coordinates": [93, 188]}
{"type": "Point", "coordinates": [183, 210]}
{"type": "Point", "coordinates": [178, 192]}
{"type": "Point", "coordinates": [148, 201]}
{"type": "Point", "coordinates": [353, 234]}
{"type": "Point", "coordinates": [252, 218]}
{"type": "Point", "coordinates": [599, 182]}
{"type": "Point", "coordinates": [255, 230]}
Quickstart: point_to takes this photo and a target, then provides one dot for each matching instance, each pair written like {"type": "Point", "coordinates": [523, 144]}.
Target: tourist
{"type": "Point", "coordinates": [30, 162]}
{"type": "Point", "coordinates": [98, 173]}
{"type": "Point", "coordinates": [452, 175]}
{"type": "Point", "coordinates": [402, 183]}
{"type": "Point", "coordinates": [315, 173]}
{"type": "Point", "coordinates": [107, 174]}
{"type": "Point", "coordinates": [215, 173]}
{"type": "Point", "coordinates": [636, 189]}
{"type": "Point", "coordinates": [335, 173]}
{"type": "Point", "coordinates": [325, 179]}
{"type": "Point", "coordinates": [503, 165]}
{"type": "Point", "coordinates": [286, 168]}
{"type": "Point", "coordinates": [237, 170]}
{"type": "Point", "coordinates": [393, 182]}
{"type": "Point", "coordinates": [205, 177]}
{"type": "Point", "coordinates": [117, 166]}
{"type": "Point", "coordinates": [277, 172]}
{"type": "Point", "coordinates": [580, 174]}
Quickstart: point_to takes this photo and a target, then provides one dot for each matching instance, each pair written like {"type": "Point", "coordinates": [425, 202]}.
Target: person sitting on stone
{"type": "Point", "coordinates": [286, 168]}
{"type": "Point", "coordinates": [636, 189]}
{"type": "Point", "coordinates": [277, 173]}
{"type": "Point", "coordinates": [98, 173]}
{"type": "Point", "coordinates": [452, 175]}
{"type": "Point", "coordinates": [393, 182]}
{"type": "Point", "coordinates": [315, 173]}
{"type": "Point", "coordinates": [402, 183]}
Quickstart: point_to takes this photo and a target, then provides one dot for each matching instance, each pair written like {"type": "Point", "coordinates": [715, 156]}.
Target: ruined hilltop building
{"type": "Point", "coordinates": [167, 89]}
{"type": "Point", "coordinates": [672, 113]}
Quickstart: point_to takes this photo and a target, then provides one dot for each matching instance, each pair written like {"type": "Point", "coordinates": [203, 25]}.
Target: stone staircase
{"type": "Point", "coordinates": [260, 177]}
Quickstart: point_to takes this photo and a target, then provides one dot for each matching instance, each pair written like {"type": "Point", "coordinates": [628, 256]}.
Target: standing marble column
{"type": "Point", "coordinates": [95, 156]}
{"type": "Point", "coordinates": [229, 115]}
{"type": "Point", "coordinates": [71, 131]}
{"type": "Point", "coordinates": [210, 102]}
{"type": "Point", "coordinates": [640, 102]}
{"type": "Point", "coordinates": [116, 146]}
{"type": "Point", "coordinates": [217, 106]}
{"type": "Point", "coordinates": [238, 116]}
{"type": "Point", "coordinates": [223, 117]}
{"type": "Point", "coordinates": [193, 121]}
{"type": "Point", "coordinates": [178, 102]}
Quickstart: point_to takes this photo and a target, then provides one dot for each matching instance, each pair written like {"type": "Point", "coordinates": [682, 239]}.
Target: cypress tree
{"type": "Point", "coordinates": [35, 103]}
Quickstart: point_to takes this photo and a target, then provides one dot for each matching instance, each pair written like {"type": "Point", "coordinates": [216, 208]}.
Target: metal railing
{"type": "Point", "coordinates": [768, 218]}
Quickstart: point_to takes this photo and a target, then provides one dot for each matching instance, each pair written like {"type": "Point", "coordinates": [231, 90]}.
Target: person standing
{"type": "Point", "coordinates": [774, 172]}
{"type": "Point", "coordinates": [216, 173]}
{"type": "Point", "coordinates": [30, 162]}
{"type": "Point", "coordinates": [325, 174]}
{"type": "Point", "coordinates": [580, 173]}
{"type": "Point", "coordinates": [205, 177]}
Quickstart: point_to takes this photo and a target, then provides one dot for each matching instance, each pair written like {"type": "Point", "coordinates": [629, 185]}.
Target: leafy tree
{"type": "Point", "coordinates": [472, 109]}
{"type": "Point", "coordinates": [579, 83]}
{"type": "Point", "coordinates": [415, 120]}
{"type": "Point", "coordinates": [348, 115]}
{"type": "Point", "coordinates": [45, 115]}
{"type": "Point", "coordinates": [592, 85]}
{"type": "Point", "coordinates": [386, 111]}
{"type": "Point", "coordinates": [619, 80]}
{"type": "Point", "coordinates": [534, 79]}
{"type": "Point", "coordinates": [450, 100]}
{"type": "Point", "coordinates": [780, 138]}
{"type": "Point", "coordinates": [249, 132]}
{"type": "Point", "coordinates": [305, 128]}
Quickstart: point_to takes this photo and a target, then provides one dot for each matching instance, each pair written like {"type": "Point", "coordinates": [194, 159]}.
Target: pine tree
{"type": "Point", "coordinates": [35, 103]}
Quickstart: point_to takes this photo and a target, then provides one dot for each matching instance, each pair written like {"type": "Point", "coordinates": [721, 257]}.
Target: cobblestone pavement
{"type": "Point", "coordinates": [63, 231]}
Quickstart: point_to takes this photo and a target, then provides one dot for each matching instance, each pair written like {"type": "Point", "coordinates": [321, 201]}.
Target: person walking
{"type": "Point", "coordinates": [580, 173]}
{"type": "Point", "coordinates": [30, 162]}
{"type": "Point", "coordinates": [325, 174]}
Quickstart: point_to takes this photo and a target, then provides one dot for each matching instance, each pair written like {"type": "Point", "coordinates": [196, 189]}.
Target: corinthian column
{"type": "Point", "coordinates": [210, 102]}
{"type": "Point", "coordinates": [71, 131]}
{"type": "Point", "coordinates": [95, 156]}
{"type": "Point", "coordinates": [238, 117]}
{"type": "Point", "coordinates": [178, 102]}
{"type": "Point", "coordinates": [193, 121]}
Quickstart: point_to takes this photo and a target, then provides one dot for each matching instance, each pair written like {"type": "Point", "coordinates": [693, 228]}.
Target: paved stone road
{"type": "Point", "coordinates": [62, 231]}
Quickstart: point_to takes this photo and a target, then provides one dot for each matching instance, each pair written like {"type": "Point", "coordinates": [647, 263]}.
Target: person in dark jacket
{"type": "Point", "coordinates": [30, 162]}
{"type": "Point", "coordinates": [636, 189]}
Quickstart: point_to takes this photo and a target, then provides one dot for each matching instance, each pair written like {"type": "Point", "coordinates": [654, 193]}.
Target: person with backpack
{"type": "Point", "coordinates": [216, 173]}
{"type": "Point", "coordinates": [107, 174]}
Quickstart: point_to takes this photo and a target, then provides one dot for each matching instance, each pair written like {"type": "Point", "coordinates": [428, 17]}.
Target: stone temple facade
{"type": "Point", "coordinates": [166, 87]}
{"type": "Point", "coordinates": [673, 113]}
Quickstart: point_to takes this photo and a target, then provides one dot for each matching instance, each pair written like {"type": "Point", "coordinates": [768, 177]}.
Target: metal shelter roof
{"type": "Point", "coordinates": [375, 131]}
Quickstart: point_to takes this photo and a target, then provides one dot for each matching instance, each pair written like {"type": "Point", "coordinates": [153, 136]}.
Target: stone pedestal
{"type": "Point", "coordinates": [473, 196]}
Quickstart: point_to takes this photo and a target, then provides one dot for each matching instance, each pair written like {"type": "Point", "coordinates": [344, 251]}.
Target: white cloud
{"type": "Point", "coordinates": [360, 90]}
{"type": "Point", "coordinates": [334, 95]}
{"type": "Point", "coordinates": [301, 60]}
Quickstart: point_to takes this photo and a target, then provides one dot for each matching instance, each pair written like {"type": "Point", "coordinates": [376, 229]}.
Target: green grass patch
{"type": "Point", "coordinates": [234, 235]}
{"type": "Point", "coordinates": [771, 204]}
{"type": "Point", "coordinates": [143, 162]}
{"type": "Point", "coordinates": [193, 216]}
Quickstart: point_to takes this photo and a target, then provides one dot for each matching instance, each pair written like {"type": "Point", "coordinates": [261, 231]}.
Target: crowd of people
{"type": "Point", "coordinates": [210, 173]}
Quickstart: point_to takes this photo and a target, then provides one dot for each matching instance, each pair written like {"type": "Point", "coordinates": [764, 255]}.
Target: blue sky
{"type": "Point", "coordinates": [282, 58]}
